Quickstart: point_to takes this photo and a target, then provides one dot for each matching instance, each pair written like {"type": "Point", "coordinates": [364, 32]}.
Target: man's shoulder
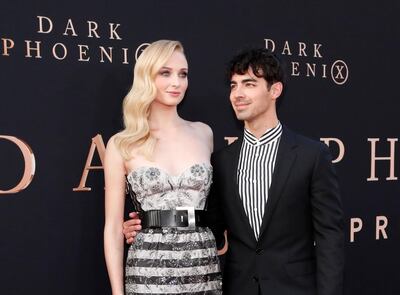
{"type": "Point", "coordinates": [303, 141]}
{"type": "Point", "coordinates": [228, 149]}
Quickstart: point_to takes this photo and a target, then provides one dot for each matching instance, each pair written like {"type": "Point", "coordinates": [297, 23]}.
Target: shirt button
{"type": "Point", "coordinates": [255, 209]}
{"type": "Point", "coordinates": [254, 181]}
{"type": "Point", "coordinates": [259, 251]}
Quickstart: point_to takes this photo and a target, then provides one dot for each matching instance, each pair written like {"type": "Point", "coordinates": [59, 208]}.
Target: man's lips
{"type": "Point", "coordinates": [240, 106]}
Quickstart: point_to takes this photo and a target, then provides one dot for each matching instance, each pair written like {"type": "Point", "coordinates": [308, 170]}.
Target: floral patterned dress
{"type": "Point", "coordinates": [172, 260]}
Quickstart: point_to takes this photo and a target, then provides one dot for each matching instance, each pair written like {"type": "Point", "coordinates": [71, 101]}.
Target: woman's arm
{"type": "Point", "coordinates": [114, 175]}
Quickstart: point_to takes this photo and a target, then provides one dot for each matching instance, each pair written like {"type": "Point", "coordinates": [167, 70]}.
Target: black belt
{"type": "Point", "coordinates": [179, 217]}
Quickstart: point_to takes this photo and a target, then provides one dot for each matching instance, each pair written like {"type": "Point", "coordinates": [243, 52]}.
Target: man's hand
{"type": "Point", "coordinates": [223, 250]}
{"type": "Point", "coordinates": [131, 227]}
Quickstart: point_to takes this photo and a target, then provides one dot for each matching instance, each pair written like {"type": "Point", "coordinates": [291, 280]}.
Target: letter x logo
{"type": "Point", "coordinates": [339, 72]}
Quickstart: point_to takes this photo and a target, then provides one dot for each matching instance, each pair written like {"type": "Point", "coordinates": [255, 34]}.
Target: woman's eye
{"type": "Point", "coordinates": [165, 73]}
{"type": "Point", "coordinates": [183, 75]}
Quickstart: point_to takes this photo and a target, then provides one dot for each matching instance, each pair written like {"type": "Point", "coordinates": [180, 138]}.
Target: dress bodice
{"type": "Point", "coordinates": [154, 188]}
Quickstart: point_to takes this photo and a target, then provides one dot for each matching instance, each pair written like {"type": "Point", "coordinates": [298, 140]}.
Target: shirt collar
{"type": "Point", "coordinates": [269, 135]}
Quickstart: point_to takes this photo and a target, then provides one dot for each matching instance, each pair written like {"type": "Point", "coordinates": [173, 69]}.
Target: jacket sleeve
{"type": "Point", "coordinates": [328, 222]}
{"type": "Point", "coordinates": [215, 214]}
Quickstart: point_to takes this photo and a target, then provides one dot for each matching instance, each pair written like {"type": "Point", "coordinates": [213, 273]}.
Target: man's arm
{"type": "Point", "coordinates": [215, 214]}
{"type": "Point", "coordinates": [328, 225]}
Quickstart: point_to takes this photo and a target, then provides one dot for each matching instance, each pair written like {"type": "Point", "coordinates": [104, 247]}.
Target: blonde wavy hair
{"type": "Point", "coordinates": [136, 104]}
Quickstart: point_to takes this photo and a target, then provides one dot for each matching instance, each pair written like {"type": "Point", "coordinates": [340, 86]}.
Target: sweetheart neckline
{"type": "Point", "coordinates": [166, 172]}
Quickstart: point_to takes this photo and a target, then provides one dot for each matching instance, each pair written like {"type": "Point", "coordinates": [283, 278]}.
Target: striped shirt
{"type": "Point", "coordinates": [256, 165]}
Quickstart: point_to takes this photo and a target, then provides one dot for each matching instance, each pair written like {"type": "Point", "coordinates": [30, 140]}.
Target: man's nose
{"type": "Point", "coordinates": [237, 93]}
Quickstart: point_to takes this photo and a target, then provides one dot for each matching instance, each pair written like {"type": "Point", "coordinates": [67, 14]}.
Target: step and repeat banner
{"type": "Point", "coordinates": [65, 68]}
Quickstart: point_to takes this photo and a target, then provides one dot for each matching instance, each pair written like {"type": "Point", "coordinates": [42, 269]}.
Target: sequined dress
{"type": "Point", "coordinates": [172, 260]}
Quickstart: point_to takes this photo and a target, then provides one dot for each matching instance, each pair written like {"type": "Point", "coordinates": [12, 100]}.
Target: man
{"type": "Point", "coordinates": [276, 194]}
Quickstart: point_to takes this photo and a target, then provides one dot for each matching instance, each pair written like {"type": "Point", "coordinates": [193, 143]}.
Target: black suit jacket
{"type": "Point", "coordinates": [300, 248]}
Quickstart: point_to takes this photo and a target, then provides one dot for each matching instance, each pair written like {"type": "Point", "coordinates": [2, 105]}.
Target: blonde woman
{"type": "Point", "coordinates": [166, 161]}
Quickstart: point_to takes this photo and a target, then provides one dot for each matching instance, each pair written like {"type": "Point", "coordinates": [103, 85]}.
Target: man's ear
{"type": "Point", "coordinates": [276, 90]}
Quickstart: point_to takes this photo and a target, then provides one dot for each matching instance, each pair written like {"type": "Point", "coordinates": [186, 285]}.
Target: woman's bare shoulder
{"type": "Point", "coordinates": [202, 128]}
{"type": "Point", "coordinates": [204, 132]}
{"type": "Point", "coordinates": [112, 150]}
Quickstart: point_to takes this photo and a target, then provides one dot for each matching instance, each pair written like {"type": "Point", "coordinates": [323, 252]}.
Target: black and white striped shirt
{"type": "Point", "coordinates": [256, 165]}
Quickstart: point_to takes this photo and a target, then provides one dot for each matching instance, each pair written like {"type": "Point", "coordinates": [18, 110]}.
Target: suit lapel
{"type": "Point", "coordinates": [237, 201]}
{"type": "Point", "coordinates": [284, 161]}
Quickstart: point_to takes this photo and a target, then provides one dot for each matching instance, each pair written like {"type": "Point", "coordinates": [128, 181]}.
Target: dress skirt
{"type": "Point", "coordinates": [173, 261]}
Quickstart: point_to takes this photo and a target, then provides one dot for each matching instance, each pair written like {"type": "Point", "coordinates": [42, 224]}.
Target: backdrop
{"type": "Point", "coordinates": [65, 67]}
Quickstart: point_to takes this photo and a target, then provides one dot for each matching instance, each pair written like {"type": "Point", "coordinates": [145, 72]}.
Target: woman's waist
{"type": "Point", "coordinates": [182, 217]}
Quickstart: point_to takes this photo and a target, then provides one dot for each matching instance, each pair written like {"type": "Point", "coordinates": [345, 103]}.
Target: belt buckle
{"type": "Point", "coordinates": [191, 216]}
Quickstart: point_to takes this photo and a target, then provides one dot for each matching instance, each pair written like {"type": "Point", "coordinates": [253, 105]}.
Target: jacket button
{"type": "Point", "coordinates": [255, 279]}
{"type": "Point", "coordinates": [259, 251]}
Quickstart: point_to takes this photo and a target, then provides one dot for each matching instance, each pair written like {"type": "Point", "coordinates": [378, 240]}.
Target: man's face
{"type": "Point", "coordinates": [250, 97]}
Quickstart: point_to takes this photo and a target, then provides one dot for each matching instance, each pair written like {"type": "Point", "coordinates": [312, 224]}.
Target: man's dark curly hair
{"type": "Point", "coordinates": [263, 62]}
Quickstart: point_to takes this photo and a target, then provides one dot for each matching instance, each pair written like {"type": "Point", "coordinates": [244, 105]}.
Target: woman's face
{"type": "Point", "coordinates": [171, 80]}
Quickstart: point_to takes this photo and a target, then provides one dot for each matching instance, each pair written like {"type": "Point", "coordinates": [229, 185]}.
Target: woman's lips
{"type": "Point", "coordinates": [174, 93]}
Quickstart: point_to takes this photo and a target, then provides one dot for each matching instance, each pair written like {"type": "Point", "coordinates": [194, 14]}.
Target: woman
{"type": "Point", "coordinates": [167, 162]}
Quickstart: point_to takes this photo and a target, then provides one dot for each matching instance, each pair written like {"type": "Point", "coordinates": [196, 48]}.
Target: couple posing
{"type": "Point", "coordinates": [274, 192]}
